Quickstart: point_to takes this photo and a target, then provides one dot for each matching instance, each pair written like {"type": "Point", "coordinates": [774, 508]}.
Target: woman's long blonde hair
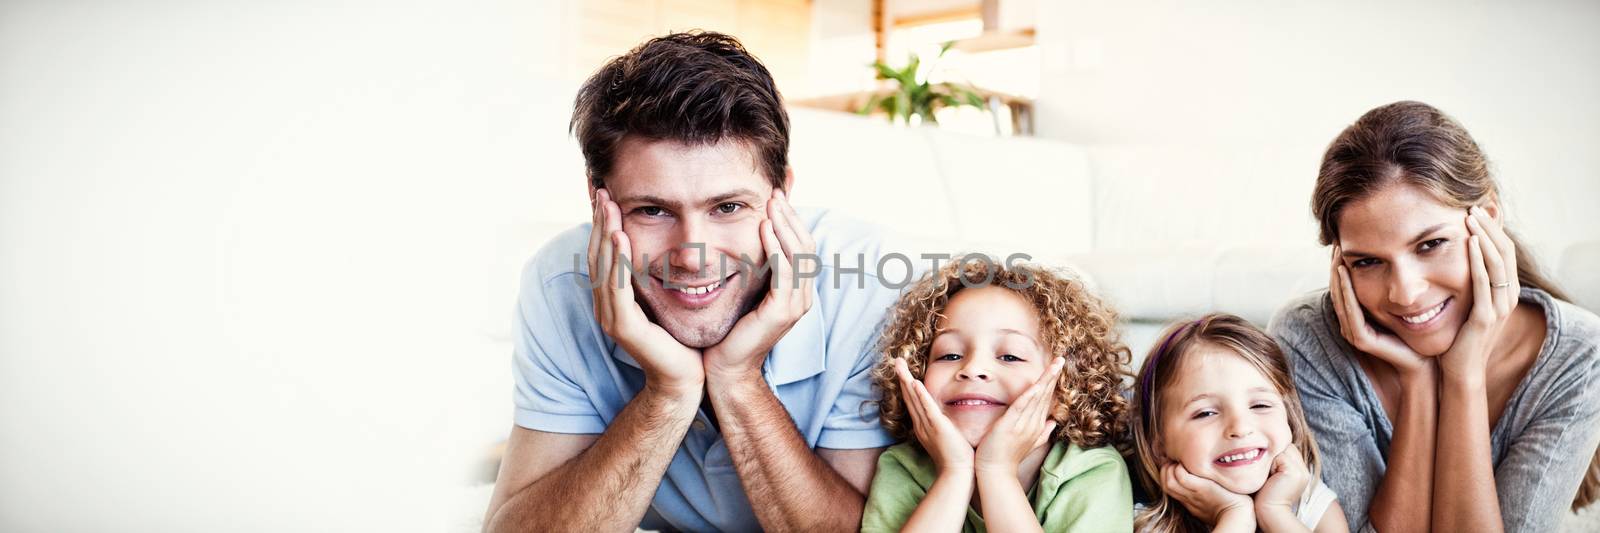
{"type": "Point", "coordinates": [1161, 367]}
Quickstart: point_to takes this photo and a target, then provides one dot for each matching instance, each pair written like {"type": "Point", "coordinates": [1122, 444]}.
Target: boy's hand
{"type": "Point", "coordinates": [1024, 426]}
{"type": "Point", "coordinates": [950, 451]}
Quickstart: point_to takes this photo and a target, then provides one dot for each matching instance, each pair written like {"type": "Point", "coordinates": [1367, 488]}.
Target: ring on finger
{"type": "Point", "coordinates": [1501, 285]}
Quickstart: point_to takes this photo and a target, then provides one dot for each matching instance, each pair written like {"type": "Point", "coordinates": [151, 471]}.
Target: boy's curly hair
{"type": "Point", "coordinates": [1090, 408]}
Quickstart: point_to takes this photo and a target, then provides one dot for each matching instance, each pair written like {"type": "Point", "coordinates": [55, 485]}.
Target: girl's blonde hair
{"type": "Point", "coordinates": [1161, 368]}
{"type": "Point", "coordinates": [1090, 409]}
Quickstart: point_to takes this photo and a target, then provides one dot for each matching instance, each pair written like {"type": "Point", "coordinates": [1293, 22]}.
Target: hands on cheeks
{"type": "Point", "coordinates": [1287, 481]}
{"type": "Point", "coordinates": [1204, 498]}
{"type": "Point", "coordinates": [784, 240]}
{"type": "Point", "coordinates": [741, 353]}
{"type": "Point", "coordinates": [666, 362]}
{"type": "Point", "coordinates": [1024, 426]}
{"type": "Point", "coordinates": [1492, 257]}
{"type": "Point", "coordinates": [951, 452]}
{"type": "Point", "coordinates": [1228, 511]}
{"type": "Point", "coordinates": [1355, 329]}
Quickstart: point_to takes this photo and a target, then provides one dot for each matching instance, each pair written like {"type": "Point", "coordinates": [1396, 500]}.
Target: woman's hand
{"type": "Point", "coordinates": [1207, 500]}
{"type": "Point", "coordinates": [1354, 327]}
{"type": "Point", "coordinates": [1492, 257]}
{"type": "Point", "coordinates": [1024, 426]}
{"type": "Point", "coordinates": [951, 452]}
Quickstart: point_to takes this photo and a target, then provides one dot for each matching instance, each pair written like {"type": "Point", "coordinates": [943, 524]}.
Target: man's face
{"type": "Point", "coordinates": [690, 213]}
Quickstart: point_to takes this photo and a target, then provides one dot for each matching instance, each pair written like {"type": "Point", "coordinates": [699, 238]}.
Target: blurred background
{"type": "Point", "coordinates": [257, 260]}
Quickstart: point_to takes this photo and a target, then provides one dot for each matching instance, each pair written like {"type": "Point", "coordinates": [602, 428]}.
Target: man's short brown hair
{"type": "Point", "coordinates": [694, 88]}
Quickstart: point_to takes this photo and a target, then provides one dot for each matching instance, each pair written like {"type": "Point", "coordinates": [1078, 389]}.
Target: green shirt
{"type": "Point", "coordinates": [1078, 490]}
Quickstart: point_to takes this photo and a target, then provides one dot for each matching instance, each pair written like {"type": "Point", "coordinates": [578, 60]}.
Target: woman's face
{"type": "Point", "coordinates": [1407, 256]}
{"type": "Point", "coordinates": [1224, 420]}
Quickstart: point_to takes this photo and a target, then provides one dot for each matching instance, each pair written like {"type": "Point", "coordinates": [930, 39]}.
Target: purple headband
{"type": "Point", "coordinates": [1149, 374]}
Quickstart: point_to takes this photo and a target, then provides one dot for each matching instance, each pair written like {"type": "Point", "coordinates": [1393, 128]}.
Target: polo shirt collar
{"type": "Point", "coordinates": [801, 353]}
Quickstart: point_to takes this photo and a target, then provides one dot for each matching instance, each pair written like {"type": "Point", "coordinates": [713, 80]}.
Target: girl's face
{"type": "Point", "coordinates": [1223, 420]}
{"type": "Point", "coordinates": [1407, 256]}
{"type": "Point", "coordinates": [985, 353]}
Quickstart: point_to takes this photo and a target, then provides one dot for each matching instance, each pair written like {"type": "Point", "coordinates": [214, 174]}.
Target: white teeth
{"type": "Point", "coordinates": [969, 402]}
{"type": "Point", "coordinates": [1425, 316]}
{"type": "Point", "coordinates": [699, 290]}
{"type": "Point", "coordinates": [1241, 456]}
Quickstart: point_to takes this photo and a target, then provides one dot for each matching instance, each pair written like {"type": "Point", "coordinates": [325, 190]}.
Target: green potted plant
{"type": "Point", "coordinates": [917, 97]}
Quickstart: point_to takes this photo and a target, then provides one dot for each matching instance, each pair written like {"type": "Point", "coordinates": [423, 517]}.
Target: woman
{"type": "Point", "coordinates": [1439, 357]}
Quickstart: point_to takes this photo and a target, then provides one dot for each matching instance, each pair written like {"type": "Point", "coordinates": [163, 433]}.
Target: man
{"type": "Point", "coordinates": [680, 364]}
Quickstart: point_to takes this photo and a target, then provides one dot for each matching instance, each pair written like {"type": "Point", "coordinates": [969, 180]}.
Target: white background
{"type": "Point", "coordinates": [257, 259]}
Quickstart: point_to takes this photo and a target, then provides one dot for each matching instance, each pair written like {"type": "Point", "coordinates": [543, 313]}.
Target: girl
{"type": "Point", "coordinates": [1222, 441]}
{"type": "Point", "coordinates": [1438, 358]}
{"type": "Point", "coordinates": [1006, 382]}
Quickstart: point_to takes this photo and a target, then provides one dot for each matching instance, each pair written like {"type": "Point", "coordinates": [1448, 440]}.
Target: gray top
{"type": "Point", "coordinates": [1541, 446]}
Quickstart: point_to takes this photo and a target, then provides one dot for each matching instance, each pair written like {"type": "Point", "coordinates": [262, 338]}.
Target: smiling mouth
{"type": "Point", "coordinates": [974, 401]}
{"type": "Point", "coordinates": [697, 290]}
{"type": "Point", "coordinates": [1241, 458]}
{"type": "Point", "coordinates": [694, 296]}
{"type": "Point", "coordinates": [1425, 318]}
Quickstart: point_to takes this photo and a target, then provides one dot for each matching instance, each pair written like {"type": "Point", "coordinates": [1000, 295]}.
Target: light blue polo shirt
{"type": "Point", "coordinates": [572, 378]}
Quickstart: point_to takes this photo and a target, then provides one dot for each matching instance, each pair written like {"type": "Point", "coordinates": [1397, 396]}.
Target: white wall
{"type": "Point", "coordinates": [249, 253]}
{"type": "Point", "coordinates": [842, 47]}
{"type": "Point", "coordinates": [1210, 117]}
{"type": "Point", "coordinates": [257, 260]}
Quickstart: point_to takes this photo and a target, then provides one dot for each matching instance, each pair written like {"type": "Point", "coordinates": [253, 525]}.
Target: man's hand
{"type": "Point", "coordinates": [666, 362]}
{"type": "Point", "coordinates": [783, 240]}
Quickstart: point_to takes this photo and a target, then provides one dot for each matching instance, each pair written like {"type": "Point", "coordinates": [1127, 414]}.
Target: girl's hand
{"type": "Point", "coordinates": [1024, 426]}
{"type": "Point", "coordinates": [1361, 335]}
{"type": "Point", "coordinates": [1495, 291]}
{"type": "Point", "coordinates": [1286, 482]}
{"type": "Point", "coordinates": [950, 451]}
{"type": "Point", "coordinates": [1204, 498]}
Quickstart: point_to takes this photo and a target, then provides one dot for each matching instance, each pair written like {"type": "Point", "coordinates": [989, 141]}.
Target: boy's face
{"type": "Point", "coordinates": [690, 213]}
{"type": "Point", "coordinates": [985, 353]}
{"type": "Point", "coordinates": [1223, 420]}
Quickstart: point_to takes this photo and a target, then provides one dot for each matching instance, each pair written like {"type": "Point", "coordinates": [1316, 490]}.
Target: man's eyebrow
{"type": "Point", "coordinates": [736, 193]}
{"type": "Point", "coordinates": [648, 199]}
{"type": "Point", "coordinates": [674, 205]}
{"type": "Point", "coordinates": [1420, 236]}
